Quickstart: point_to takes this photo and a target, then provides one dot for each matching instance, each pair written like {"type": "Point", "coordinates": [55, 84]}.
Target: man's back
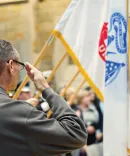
{"type": "Point", "coordinates": [25, 131]}
{"type": "Point", "coordinates": [13, 129]}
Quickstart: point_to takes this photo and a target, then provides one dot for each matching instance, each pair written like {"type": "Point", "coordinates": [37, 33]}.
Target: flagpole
{"type": "Point", "coordinates": [49, 113]}
{"type": "Point", "coordinates": [57, 66]}
{"type": "Point", "coordinates": [128, 21]}
{"type": "Point", "coordinates": [70, 83]}
{"type": "Point", "coordinates": [41, 55]}
{"type": "Point", "coordinates": [53, 72]}
{"type": "Point", "coordinates": [71, 101]}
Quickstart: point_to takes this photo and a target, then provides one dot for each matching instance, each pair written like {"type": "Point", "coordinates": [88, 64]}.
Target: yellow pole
{"type": "Point", "coordinates": [78, 89]}
{"type": "Point", "coordinates": [128, 43]}
{"type": "Point", "coordinates": [53, 72]}
{"type": "Point", "coordinates": [49, 113]}
{"type": "Point", "coordinates": [128, 20]}
{"type": "Point", "coordinates": [70, 83]}
{"type": "Point", "coordinates": [42, 53]}
{"type": "Point", "coordinates": [56, 67]}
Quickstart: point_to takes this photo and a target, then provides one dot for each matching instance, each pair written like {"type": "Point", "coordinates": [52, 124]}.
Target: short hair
{"type": "Point", "coordinates": [81, 95]}
{"type": "Point", "coordinates": [7, 52]}
{"type": "Point", "coordinates": [69, 92]}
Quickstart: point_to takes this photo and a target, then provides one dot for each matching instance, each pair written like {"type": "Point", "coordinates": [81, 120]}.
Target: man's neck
{"type": "Point", "coordinates": [3, 83]}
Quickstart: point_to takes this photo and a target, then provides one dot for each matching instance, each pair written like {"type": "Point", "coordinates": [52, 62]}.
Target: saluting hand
{"type": "Point", "coordinates": [37, 77]}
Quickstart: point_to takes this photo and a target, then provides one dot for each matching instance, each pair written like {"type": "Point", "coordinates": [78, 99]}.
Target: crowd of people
{"type": "Point", "coordinates": [87, 106]}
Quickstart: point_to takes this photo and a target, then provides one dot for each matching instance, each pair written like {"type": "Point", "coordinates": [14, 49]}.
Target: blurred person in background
{"type": "Point", "coordinates": [99, 106]}
{"type": "Point", "coordinates": [90, 115]}
{"type": "Point", "coordinates": [27, 95]}
{"type": "Point", "coordinates": [26, 92]}
{"type": "Point", "coordinates": [68, 95]}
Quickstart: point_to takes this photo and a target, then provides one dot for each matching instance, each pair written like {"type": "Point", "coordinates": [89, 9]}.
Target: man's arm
{"type": "Point", "coordinates": [64, 133]}
{"type": "Point", "coordinates": [61, 134]}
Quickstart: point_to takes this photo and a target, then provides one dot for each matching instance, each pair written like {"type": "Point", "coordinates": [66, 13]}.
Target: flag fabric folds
{"type": "Point", "coordinates": [80, 29]}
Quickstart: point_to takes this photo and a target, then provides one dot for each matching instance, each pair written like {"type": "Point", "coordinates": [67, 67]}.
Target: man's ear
{"type": "Point", "coordinates": [11, 67]}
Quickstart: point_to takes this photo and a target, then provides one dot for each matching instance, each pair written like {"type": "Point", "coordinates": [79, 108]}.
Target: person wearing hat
{"type": "Point", "coordinates": [27, 94]}
{"type": "Point", "coordinates": [26, 131]}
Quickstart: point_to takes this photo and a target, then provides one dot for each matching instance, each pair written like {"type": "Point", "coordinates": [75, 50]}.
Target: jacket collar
{"type": "Point", "coordinates": [2, 91]}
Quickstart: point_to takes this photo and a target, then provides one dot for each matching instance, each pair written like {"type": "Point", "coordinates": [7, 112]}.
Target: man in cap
{"type": "Point", "coordinates": [26, 131]}
{"type": "Point", "coordinates": [26, 92]}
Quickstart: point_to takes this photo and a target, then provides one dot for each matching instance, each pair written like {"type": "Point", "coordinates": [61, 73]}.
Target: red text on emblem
{"type": "Point", "coordinates": [102, 44]}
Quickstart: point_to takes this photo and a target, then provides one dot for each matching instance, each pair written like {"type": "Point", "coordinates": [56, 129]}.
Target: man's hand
{"type": "Point", "coordinates": [34, 102]}
{"type": "Point", "coordinates": [37, 77]}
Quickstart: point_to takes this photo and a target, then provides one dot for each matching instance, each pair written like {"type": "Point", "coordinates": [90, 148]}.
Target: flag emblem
{"type": "Point", "coordinates": [119, 24]}
{"type": "Point", "coordinates": [112, 71]}
{"type": "Point", "coordinates": [116, 46]}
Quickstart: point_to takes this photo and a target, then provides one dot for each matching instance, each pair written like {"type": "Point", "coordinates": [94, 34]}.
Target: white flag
{"type": "Point", "coordinates": [83, 31]}
{"type": "Point", "coordinates": [115, 122]}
